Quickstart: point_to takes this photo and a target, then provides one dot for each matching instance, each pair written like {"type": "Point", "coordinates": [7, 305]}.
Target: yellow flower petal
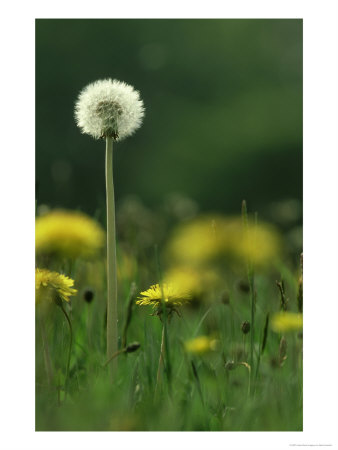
{"type": "Point", "coordinates": [172, 296]}
{"type": "Point", "coordinates": [52, 285]}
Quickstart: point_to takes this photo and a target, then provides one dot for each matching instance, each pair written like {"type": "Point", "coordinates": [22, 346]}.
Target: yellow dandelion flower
{"type": "Point", "coordinates": [260, 244]}
{"type": "Point", "coordinates": [191, 279]}
{"type": "Point", "coordinates": [209, 238]}
{"type": "Point", "coordinates": [172, 296]}
{"type": "Point", "coordinates": [53, 286]}
{"type": "Point", "coordinates": [286, 321]}
{"type": "Point", "coordinates": [195, 242]}
{"type": "Point", "coordinates": [201, 345]}
{"type": "Point", "coordinates": [68, 233]}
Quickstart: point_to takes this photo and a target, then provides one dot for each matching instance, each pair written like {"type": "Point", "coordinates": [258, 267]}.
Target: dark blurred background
{"type": "Point", "coordinates": [223, 117]}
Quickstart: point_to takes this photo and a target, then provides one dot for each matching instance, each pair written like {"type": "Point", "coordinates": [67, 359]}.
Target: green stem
{"type": "Point", "coordinates": [165, 341]}
{"type": "Point", "coordinates": [198, 383]}
{"type": "Point", "coordinates": [70, 345]}
{"type": "Point", "coordinates": [112, 334]}
{"type": "Point", "coordinates": [251, 281]}
{"type": "Point", "coordinates": [252, 334]}
{"type": "Point", "coordinates": [160, 362]}
{"type": "Point", "coordinates": [46, 354]}
{"type": "Point", "coordinates": [119, 352]}
{"type": "Point", "coordinates": [249, 372]}
{"type": "Point", "coordinates": [129, 313]}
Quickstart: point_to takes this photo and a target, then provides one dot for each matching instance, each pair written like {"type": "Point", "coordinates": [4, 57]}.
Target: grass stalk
{"type": "Point", "coordinates": [46, 354]}
{"type": "Point", "coordinates": [283, 299]}
{"type": "Point", "coordinates": [249, 373]}
{"type": "Point", "coordinates": [130, 303]}
{"type": "Point", "coordinates": [119, 352]}
{"type": "Point", "coordinates": [300, 287]}
{"type": "Point", "coordinates": [252, 288]}
{"type": "Point", "coordinates": [70, 345]}
{"type": "Point", "coordinates": [112, 319]}
{"type": "Point", "coordinates": [198, 383]}
{"type": "Point", "coordinates": [265, 332]}
{"type": "Point", "coordinates": [132, 347]}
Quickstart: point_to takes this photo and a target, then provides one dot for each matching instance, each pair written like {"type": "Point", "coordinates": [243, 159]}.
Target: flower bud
{"type": "Point", "coordinates": [243, 286]}
{"type": "Point", "coordinates": [225, 298]}
{"type": "Point", "coordinates": [230, 365]}
{"type": "Point", "coordinates": [245, 327]}
{"type": "Point", "coordinates": [88, 295]}
{"type": "Point", "coordinates": [133, 347]}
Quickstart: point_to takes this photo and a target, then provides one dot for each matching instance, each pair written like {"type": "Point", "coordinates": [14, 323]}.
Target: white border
{"type": "Point", "coordinates": [320, 219]}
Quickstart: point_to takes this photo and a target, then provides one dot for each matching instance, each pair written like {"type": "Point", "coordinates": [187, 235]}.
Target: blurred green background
{"type": "Point", "coordinates": [223, 105]}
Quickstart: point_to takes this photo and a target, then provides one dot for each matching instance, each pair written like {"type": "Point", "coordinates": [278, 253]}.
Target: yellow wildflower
{"type": "Point", "coordinates": [127, 266]}
{"type": "Point", "coordinates": [52, 286]}
{"type": "Point", "coordinates": [68, 233]}
{"type": "Point", "coordinates": [209, 238]}
{"type": "Point", "coordinates": [201, 345]}
{"type": "Point", "coordinates": [260, 244]}
{"type": "Point", "coordinates": [286, 321]}
{"type": "Point", "coordinates": [172, 296]}
{"type": "Point", "coordinates": [191, 279]}
{"type": "Point", "coordinates": [195, 242]}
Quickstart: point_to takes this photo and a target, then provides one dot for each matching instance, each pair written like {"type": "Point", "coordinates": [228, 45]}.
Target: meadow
{"type": "Point", "coordinates": [225, 354]}
{"type": "Point", "coordinates": [176, 304]}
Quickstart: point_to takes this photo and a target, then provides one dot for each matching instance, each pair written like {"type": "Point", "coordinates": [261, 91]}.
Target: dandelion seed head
{"type": "Point", "coordinates": [109, 108]}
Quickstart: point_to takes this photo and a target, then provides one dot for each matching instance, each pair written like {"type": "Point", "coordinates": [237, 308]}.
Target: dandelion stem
{"type": "Point", "coordinates": [165, 341]}
{"type": "Point", "coordinates": [160, 361]}
{"type": "Point", "coordinates": [46, 354]}
{"type": "Point", "coordinates": [70, 345]}
{"type": "Point", "coordinates": [112, 334]}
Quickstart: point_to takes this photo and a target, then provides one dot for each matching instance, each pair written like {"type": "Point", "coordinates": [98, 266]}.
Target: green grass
{"type": "Point", "coordinates": [203, 394]}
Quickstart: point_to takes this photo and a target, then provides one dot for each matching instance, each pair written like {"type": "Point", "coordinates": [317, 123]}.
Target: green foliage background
{"type": "Point", "coordinates": [223, 110]}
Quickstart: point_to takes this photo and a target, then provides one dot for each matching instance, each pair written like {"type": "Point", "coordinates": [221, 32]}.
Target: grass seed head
{"type": "Point", "coordinates": [225, 298]}
{"type": "Point", "coordinates": [133, 347]}
{"type": "Point", "coordinates": [230, 365]}
{"type": "Point", "coordinates": [245, 327]}
{"type": "Point", "coordinates": [88, 295]}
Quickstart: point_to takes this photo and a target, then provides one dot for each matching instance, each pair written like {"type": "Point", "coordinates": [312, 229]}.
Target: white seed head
{"type": "Point", "coordinates": [109, 108]}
